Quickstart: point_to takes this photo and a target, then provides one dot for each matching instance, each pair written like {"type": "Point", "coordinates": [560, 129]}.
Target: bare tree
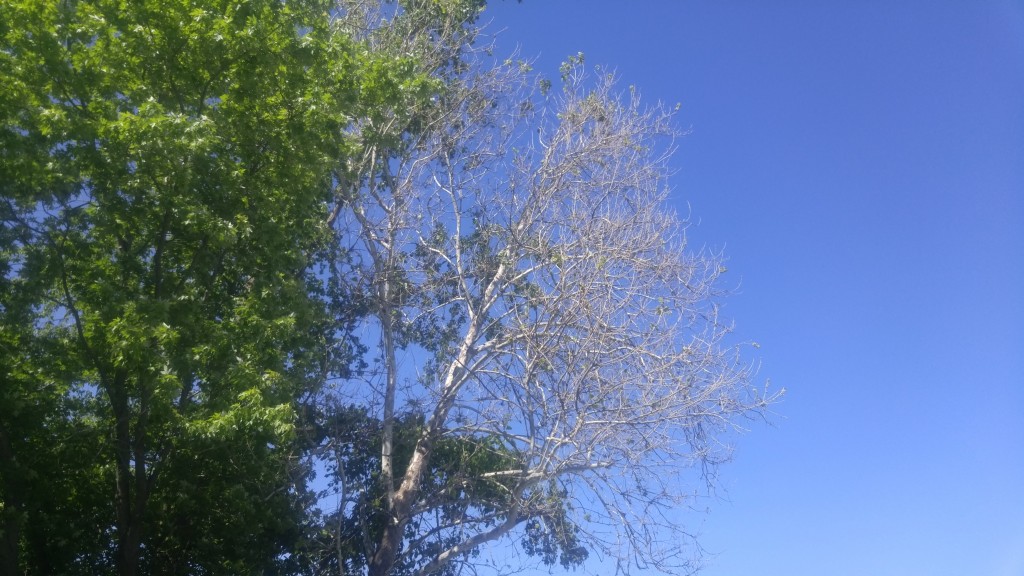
{"type": "Point", "coordinates": [535, 300]}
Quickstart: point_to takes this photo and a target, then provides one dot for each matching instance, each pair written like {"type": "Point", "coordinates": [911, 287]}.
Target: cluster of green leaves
{"type": "Point", "coordinates": [464, 473]}
{"type": "Point", "coordinates": [164, 183]}
{"type": "Point", "coordinates": [552, 535]}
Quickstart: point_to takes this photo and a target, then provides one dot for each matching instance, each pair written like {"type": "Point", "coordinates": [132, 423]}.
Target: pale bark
{"type": "Point", "coordinates": [581, 332]}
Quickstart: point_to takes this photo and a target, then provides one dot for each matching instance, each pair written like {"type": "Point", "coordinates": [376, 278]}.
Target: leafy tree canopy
{"type": "Point", "coordinates": [165, 181]}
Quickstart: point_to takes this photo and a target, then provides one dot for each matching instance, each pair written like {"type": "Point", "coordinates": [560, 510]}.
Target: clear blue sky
{"type": "Point", "coordinates": [862, 165]}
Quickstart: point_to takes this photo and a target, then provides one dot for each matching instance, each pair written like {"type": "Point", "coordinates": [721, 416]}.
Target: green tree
{"type": "Point", "coordinates": [164, 183]}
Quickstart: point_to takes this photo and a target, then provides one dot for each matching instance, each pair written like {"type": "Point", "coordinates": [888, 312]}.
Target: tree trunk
{"type": "Point", "coordinates": [387, 472]}
{"type": "Point", "coordinates": [132, 484]}
{"type": "Point", "coordinates": [401, 503]}
{"type": "Point", "coordinates": [10, 517]}
{"type": "Point", "coordinates": [383, 561]}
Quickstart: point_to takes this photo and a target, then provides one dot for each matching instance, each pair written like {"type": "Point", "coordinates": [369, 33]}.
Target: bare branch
{"type": "Point", "coordinates": [521, 252]}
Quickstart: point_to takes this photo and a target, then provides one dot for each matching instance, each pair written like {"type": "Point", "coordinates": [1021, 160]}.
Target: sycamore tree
{"type": "Point", "coordinates": [164, 188]}
{"type": "Point", "coordinates": [532, 303]}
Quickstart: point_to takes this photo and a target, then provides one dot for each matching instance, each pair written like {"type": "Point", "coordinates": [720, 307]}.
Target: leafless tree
{"type": "Point", "coordinates": [535, 298]}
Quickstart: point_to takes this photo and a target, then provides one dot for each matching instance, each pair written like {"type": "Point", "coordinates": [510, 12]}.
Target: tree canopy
{"type": "Point", "coordinates": [324, 287]}
{"type": "Point", "coordinates": [164, 180]}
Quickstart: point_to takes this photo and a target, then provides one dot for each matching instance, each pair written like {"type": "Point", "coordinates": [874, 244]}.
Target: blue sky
{"type": "Point", "coordinates": [862, 165]}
